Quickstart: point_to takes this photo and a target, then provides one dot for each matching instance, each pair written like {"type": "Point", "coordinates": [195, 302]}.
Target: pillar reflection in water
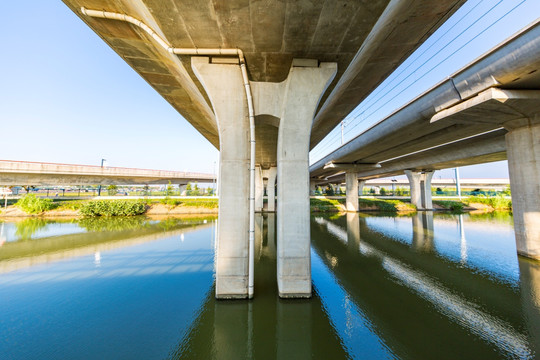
{"type": "Point", "coordinates": [463, 240]}
{"type": "Point", "coordinates": [353, 231]}
{"type": "Point", "coordinates": [529, 276]}
{"type": "Point", "coordinates": [422, 223]}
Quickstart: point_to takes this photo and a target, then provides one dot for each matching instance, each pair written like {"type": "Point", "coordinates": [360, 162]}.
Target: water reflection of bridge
{"type": "Point", "coordinates": [270, 327]}
{"type": "Point", "coordinates": [422, 303]}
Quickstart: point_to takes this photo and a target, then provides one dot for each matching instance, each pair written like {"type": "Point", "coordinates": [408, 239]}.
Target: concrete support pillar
{"type": "Point", "coordinates": [301, 93]}
{"type": "Point", "coordinates": [182, 190]}
{"type": "Point", "coordinates": [523, 151]}
{"type": "Point", "coordinates": [259, 189]}
{"type": "Point", "coordinates": [351, 183]}
{"type": "Point", "coordinates": [420, 183]}
{"type": "Point", "coordinates": [361, 184]}
{"type": "Point", "coordinates": [224, 86]}
{"type": "Point", "coordinates": [271, 189]}
{"type": "Point", "coordinates": [312, 188]}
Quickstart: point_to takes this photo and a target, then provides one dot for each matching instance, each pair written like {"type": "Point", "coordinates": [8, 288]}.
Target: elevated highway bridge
{"type": "Point", "coordinates": [40, 174]}
{"type": "Point", "coordinates": [264, 81]}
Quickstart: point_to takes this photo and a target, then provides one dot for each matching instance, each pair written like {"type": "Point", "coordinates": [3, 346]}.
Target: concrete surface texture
{"type": "Point", "coordinates": [367, 39]}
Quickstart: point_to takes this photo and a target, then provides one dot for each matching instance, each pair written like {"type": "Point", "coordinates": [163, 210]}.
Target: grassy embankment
{"type": "Point", "coordinates": [334, 205]}
{"type": "Point", "coordinates": [32, 205]}
{"type": "Point", "coordinates": [476, 203]}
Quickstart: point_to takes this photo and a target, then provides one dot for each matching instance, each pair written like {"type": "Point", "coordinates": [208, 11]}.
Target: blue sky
{"type": "Point", "coordinates": [67, 97]}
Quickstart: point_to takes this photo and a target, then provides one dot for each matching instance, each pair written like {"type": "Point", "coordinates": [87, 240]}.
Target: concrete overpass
{"type": "Point", "coordinates": [488, 111]}
{"type": "Point", "coordinates": [264, 81]}
{"type": "Point", "coordinates": [40, 174]}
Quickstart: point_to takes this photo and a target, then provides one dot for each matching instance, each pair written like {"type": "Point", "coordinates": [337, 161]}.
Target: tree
{"type": "Point", "coordinates": [112, 189]}
{"type": "Point", "coordinates": [146, 190]}
{"type": "Point", "coordinates": [383, 191]}
{"type": "Point", "coordinates": [168, 189]}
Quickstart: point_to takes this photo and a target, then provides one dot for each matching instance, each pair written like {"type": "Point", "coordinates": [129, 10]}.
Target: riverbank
{"type": "Point", "coordinates": [176, 206]}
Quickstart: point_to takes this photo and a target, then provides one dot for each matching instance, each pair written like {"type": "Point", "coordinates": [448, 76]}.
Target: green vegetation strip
{"type": "Point", "coordinates": [333, 205]}
{"type": "Point", "coordinates": [205, 203]}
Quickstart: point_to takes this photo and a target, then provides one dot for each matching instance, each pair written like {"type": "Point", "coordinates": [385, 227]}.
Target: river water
{"type": "Point", "coordinates": [419, 286]}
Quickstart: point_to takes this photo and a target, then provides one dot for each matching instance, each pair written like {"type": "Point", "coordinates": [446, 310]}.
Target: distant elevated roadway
{"type": "Point", "coordinates": [40, 174]}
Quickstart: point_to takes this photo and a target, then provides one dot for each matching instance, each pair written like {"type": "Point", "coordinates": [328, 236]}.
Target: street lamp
{"type": "Point", "coordinates": [394, 181]}
{"type": "Point", "coordinates": [99, 188]}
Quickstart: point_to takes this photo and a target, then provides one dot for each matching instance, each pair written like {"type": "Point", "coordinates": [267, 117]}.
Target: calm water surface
{"type": "Point", "coordinates": [385, 287]}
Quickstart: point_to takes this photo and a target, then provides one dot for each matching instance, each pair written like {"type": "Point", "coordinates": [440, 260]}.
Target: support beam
{"type": "Point", "coordinates": [523, 149]}
{"type": "Point", "coordinates": [225, 88]}
{"type": "Point", "coordinates": [312, 187]}
{"type": "Point", "coordinates": [361, 184]}
{"type": "Point", "coordinates": [351, 183]}
{"type": "Point", "coordinates": [182, 189]}
{"type": "Point", "coordinates": [420, 183]}
{"type": "Point", "coordinates": [303, 89]}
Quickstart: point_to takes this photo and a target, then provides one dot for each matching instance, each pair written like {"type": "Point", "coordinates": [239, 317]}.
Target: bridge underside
{"type": "Point", "coordinates": [309, 64]}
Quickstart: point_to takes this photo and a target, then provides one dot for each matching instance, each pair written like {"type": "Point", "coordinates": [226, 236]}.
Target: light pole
{"type": "Point", "coordinates": [458, 186]}
{"type": "Point", "coordinates": [99, 188]}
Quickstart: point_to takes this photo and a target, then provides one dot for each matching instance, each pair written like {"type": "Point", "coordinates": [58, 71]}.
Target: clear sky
{"type": "Point", "coordinates": [67, 97]}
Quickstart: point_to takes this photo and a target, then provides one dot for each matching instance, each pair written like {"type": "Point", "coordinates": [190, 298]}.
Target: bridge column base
{"type": "Point", "coordinates": [523, 151]}
{"type": "Point", "coordinates": [224, 85]}
{"type": "Point", "coordinates": [420, 183]}
{"type": "Point", "coordinates": [351, 183]}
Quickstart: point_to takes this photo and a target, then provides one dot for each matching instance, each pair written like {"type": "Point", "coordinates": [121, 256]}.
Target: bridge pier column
{"type": "Point", "coordinates": [271, 189]}
{"type": "Point", "coordinates": [182, 190]}
{"type": "Point", "coordinates": [301, 93]}
{"type": "Point", "coordinates": [224, 86]}
{"type": "Point", "coordinates": [259, 189]}
{"type": "Point", "coordinates": [523, 151]}
{"type": "Point", "coordinates": [351, 183]}
{"type": "Point", "coordinates": [312, 188]}
{"type": "Point", "coordinates": [361, 184]}
{"type": "Point", "coordinates": [420, 183]}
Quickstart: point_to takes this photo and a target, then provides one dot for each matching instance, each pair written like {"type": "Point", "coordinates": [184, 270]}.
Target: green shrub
{"type": "Point", "coordinates": [113, 208]}
{"type": "Point", "coordinates": [34, 205]}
